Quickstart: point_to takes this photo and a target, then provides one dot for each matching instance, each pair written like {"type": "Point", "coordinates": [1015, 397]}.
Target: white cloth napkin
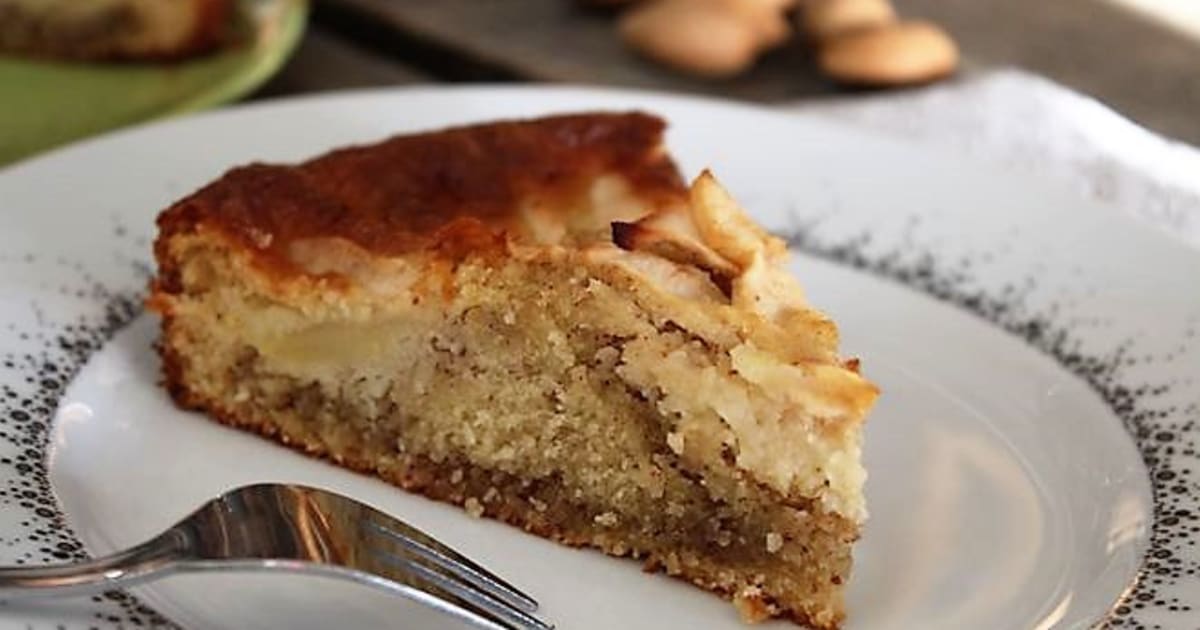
{"type": "Point", "coordinates": [1029, 124]}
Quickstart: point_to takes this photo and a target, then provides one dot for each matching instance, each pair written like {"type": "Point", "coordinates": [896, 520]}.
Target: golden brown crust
{"type": "Point", "coordinates": [451, 191]}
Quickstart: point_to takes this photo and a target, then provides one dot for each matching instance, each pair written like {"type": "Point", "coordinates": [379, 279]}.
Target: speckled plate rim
{"type": "Point", "coordinates": [1159, 415]}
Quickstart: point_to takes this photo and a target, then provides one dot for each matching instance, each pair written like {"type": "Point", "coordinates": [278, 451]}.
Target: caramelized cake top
{"type": "Point", "coordinates": [451, 191]}
{"type": "Point", "coordinates": [361, 237]}
{"type": "Point", "coordinates": [386, 218]}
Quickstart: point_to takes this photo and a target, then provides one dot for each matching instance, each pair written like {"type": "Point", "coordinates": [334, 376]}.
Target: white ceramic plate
{"type": "Point", "coordinates": [1033, 451]}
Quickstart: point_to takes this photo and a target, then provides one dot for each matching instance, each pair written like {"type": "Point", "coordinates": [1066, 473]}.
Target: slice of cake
{"type": "Point", "coordinates": [538, 321]}
{"type": "Point", "coordinates": [114, 29]}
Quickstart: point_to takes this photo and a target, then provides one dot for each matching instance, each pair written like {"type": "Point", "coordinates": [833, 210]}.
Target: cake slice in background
{"type": "Point", "coordinates": [113, 29]}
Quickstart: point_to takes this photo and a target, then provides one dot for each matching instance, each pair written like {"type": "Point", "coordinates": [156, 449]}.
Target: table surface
{"type": "Point", "coordinates": [1140, 67]}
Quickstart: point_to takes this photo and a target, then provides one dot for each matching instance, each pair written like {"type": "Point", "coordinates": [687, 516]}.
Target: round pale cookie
{"type": "Point", "coordinates": [769, 18]}
{"type": "Point", "coordinates": [905, 53]}
{"type": "Point", "coordinates": [823, 19]}
{"type": "Point", "coordinates": [605, 4]}
{"type": "Point", "coordinates": [701, 37]}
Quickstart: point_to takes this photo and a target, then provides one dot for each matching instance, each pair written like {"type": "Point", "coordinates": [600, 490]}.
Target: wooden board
{"type": "Point", "coordinates": [547, 40]}
{"type": "Point", "coordinates": [326, 62]}
{"type": "Point", "coordinates": [1142, 68]}
{"type": "Point", "coordinates": [1135, 64]}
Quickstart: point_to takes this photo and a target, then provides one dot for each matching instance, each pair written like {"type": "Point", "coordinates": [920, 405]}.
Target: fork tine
{"type": "Point", "coordinates": [460, 593]}
{"type": "Point", "coordinates": [425, 546]}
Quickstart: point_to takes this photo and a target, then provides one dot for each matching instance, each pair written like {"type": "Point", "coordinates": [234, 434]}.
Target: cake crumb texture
{"type": "Point", "coordinates": [630, 368]}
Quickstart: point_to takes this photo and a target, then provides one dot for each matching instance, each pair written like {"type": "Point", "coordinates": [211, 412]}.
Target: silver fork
{"type": "Point", "coordinates": [277, 527]}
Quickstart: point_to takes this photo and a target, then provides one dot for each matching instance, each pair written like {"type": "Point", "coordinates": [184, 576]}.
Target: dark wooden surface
{"type": "Point", "coordinates": [325, 62]}
{"type": "Point", "coordinates": [1145, 70]}
{"type": "Point", "coordinates": [546, 40]}
{"type": "Point", "coordinates": [1141, 68]}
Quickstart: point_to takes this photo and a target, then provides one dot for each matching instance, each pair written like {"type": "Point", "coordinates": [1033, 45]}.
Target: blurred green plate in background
{"type": "Point", "coordinates": [45, 103]}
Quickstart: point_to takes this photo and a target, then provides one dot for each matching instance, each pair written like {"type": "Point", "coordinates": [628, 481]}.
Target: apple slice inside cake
{"type": "Point", "coordinates": [538, 321]}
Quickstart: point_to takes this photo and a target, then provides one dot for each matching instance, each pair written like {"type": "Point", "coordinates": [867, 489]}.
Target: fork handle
{"type": "Point", "coordinates": [119, 570]}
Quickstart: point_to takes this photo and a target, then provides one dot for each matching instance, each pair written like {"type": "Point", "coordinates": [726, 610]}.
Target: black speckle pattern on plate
{"type": "Point", "coordinates": [57, 309]}
{"type": "Point", "coordinates": [31, 382]}
{"type": "Point", "coordinates": [1161, 415]}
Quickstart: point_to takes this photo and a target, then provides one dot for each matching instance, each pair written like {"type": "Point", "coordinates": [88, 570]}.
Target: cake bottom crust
{"type": "Point", "coordinates": [514, 501]}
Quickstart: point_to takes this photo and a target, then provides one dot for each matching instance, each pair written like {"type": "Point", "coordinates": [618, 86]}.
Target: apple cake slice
{"type": "Point", "coordinates": [539, 321]}
{"type": "Point", "coordinates": [115, 29]}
